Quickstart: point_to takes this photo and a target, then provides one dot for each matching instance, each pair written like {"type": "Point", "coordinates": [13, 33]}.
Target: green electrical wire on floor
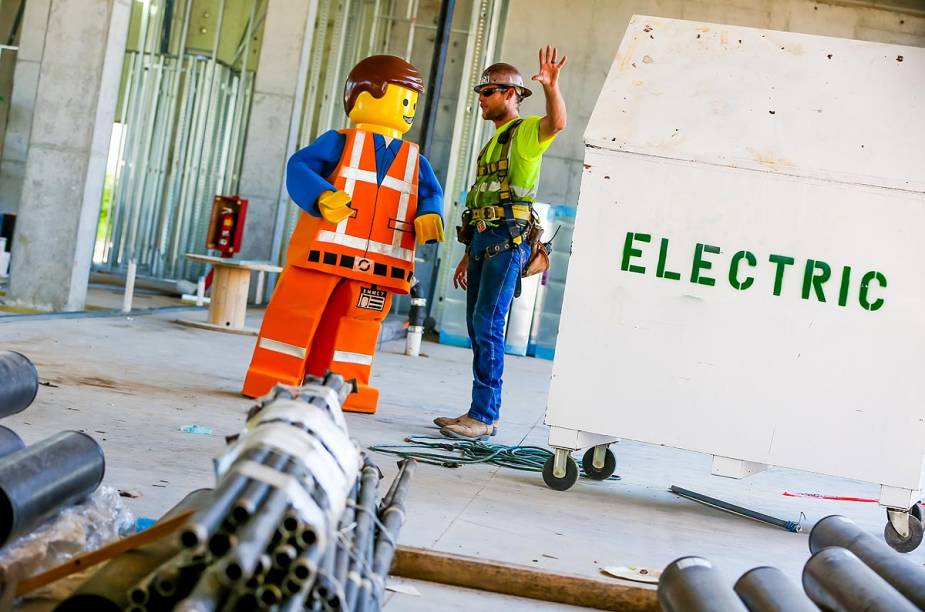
{"type": "Point", "coordinates": [458, 453]}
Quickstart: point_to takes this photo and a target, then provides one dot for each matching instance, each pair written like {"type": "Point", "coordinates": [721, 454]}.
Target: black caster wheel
{"type": "Point", "coordinates": [610, 465]}
{"type": "Point", "coordinates": [560, 484]}
{"type": "Point", "coordinates": [916, 511]}
{"type": "Point", "coordinates": [910, 543]}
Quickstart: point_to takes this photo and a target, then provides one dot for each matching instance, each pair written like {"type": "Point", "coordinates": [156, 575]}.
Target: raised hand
{"type": "Point", "coordinates": [548, 76]}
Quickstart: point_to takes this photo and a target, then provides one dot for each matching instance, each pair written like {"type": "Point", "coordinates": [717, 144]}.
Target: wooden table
{"type": "Point", "coordinates": [230, 284]}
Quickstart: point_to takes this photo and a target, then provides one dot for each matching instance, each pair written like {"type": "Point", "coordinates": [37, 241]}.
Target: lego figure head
{"type": "Point", "coordinates": [381, 94]}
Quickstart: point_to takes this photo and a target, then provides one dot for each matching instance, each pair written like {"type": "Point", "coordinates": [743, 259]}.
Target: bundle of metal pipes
{"type": "Point", "coordinates": [850, 570]}
{"type": "Point", "coordinates": [293, 523]}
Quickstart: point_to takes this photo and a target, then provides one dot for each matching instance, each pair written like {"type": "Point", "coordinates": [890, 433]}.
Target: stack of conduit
{"type": "Point", "coordinates": [850, 570]}
{"type": "Point", "coordinates": [37, 481]}
{"type": "Point", "coordinates": [292, 524]}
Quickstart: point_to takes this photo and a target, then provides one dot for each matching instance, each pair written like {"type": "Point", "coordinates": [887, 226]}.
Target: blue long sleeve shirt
{"type": "Point", "coordinates": [308, 168]}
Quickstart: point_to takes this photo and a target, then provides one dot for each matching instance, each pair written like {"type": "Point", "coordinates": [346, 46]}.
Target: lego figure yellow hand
{"type": "Point", "coordinates": [429, 228]}
{"type": "Point", "coordinates": [334, 206]}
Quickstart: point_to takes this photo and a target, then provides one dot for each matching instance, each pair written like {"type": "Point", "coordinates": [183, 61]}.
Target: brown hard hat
{"type": "Point", "coordinates": [503, 74]}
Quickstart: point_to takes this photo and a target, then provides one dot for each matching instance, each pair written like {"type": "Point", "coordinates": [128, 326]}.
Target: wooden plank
{"type": "Point", "coordinates": [156, 531]}
{"type": "Point", "coordinates": [244, 331]}
{"type": "Point", "coordinates": [507, 579]}
{"type": "Point", "coordinates": [263, 266]}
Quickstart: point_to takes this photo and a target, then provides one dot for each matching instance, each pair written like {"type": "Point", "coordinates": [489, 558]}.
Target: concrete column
{"type": "Point", "coordinates": [78, 85]}
{"type": "Point", "coordinates": [22, 102]}
{"type": "Point", "coordinates": [278, 91]}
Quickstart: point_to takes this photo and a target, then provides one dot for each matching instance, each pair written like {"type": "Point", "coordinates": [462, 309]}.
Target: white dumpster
{"type": "Point", "coordinates": [747, 275]}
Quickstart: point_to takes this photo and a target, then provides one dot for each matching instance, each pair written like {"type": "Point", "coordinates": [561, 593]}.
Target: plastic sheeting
{"type": "Point", "coordinates": [100, 519]}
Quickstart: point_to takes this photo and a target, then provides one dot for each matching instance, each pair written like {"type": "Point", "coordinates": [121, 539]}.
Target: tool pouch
{"type": "Point", "coordinates": [464, 231]}
{"type": "Point", "coordinates": [538, 261]}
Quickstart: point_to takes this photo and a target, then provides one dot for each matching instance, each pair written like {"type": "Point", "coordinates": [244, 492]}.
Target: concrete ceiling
{"type": "Point", "coordinates": [204, 19]}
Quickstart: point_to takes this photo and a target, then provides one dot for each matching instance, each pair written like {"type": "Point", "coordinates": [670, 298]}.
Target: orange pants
{"type": "Point", "coordinates": [317, 322]}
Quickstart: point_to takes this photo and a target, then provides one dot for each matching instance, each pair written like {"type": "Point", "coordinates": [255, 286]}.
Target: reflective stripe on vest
{"type": "Point", "coordinates": [385, 215]}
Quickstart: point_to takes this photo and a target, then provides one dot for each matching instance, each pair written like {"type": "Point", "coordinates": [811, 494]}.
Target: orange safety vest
{"type": "Point", "coordinates": [376, 244]}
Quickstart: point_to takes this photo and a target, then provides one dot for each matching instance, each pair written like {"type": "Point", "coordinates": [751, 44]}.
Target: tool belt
{"type": "Point", "coordinates": [521, 220]}
{"type": "Point", "coordinates": [492, 213]}
{"type": "Point", "coordinates": [531, 232]}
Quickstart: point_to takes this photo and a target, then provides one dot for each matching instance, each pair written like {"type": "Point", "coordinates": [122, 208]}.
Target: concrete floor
{"type": "Point", "coordinates": [133, 382]}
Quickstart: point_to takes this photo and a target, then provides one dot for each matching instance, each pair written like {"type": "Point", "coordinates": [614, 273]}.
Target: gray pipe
{"type": "Point", "coordinates": [767, 589]}
{"type": "Point", "coordinates": [107, 590]}
{"type": "Point", "coordinates": [692, 584]}
{"type": "Point", "coordinates": [207, 596]}
{"type": "Point", "coordinates": [835, 579]}
{"type": "Point", "coordinates": [41, 479]}
{"type": "Point", "coordinates": [19, 383]}
{"type": "Point", "coordinates": [207, 520]}
{"type": "Point", "coordinates": [365, 528]}
{"type": "Point", "coordinates": [392, 518]}
{"type": "Point", "coordinates": [254, 538]}
{"type": "Point", "coordinates": [904, 575]}
{"type": "Point", "coordinates": [10, 442]}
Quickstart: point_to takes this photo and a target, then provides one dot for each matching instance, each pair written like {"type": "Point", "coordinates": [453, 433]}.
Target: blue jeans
{"type": "Point", "coordinates": [492, 281]}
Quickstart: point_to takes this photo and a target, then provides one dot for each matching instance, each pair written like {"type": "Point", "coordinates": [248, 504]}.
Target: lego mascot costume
{"type": "Point", "coordinates": [367, 196]}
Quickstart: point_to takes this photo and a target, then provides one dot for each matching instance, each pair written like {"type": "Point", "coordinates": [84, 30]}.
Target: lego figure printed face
{"type": "Point", "coordinates": [393, 111]}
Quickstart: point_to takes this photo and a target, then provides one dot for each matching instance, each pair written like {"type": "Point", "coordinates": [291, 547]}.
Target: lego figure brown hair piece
{"type": "Point", "coordinates": [374, 74]}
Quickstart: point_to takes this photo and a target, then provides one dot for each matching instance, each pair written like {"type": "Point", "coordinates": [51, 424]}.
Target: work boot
{"type": "Point", "coordinates": [442, 422]}
{"type": "Point", "coordinates": [467, 428]}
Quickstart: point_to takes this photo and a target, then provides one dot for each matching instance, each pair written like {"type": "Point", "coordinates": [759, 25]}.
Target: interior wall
{"type": "Point", "coordinates": [590, 31]}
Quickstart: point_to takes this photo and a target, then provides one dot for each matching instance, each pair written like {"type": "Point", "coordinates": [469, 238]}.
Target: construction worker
{"type": "Point", "coordinates": [366, 196]}
{"type": "Point", "coordinates": [498, 218]}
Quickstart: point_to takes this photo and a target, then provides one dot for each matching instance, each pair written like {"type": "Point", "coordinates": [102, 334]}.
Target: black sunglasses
{"type": "Point", "coordinates": [490, 91]}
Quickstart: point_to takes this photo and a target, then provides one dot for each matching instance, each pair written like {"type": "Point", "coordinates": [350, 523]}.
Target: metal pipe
{"type": "Point", "coordinates": [242, 600]}
{"type": "Point", "coordinates": [107, 590]}
{"type": "Point", "coordinates": [143, 144]}
{"type": "Point", "coordinates": [364, 529]}
{"type": "Point", "coordinates": [19, 383]}
{"type": "Point", "coordinates": [129, 293]}
{"type": "Point", "coordinates": [344, 539]}
{"type": "Point", "coordinates": [196, 209]}
{"type": "Point", "coordinates": [159, 239]}
{"type": "Point", "coordinates": [903, 574]}
{"type": "Point", "coordinates": [10, 442]}
{"type": "Point", "coordinates": [292, 139]}
{"type": "Point", "coordinates": [253, 539]}
{"type": "Point", "coordinates": [269, 595]}
{"type": "Point", "coordinates": [139, 214]}
{"type": "Point", "coordinates": [392, 518]}
{"type": "Point", "coordinates": [198, 70]}
{"type": "Point", "coordinates": [291, 523]}
{"type": "Point", "coordinates": [734, 509]}
{"type": "Point", "coordinates": [836, 580]}
{"type": "Point", "coordinates": [239, 93]}
{"type": "Point", "coordinates": [114, 208]}
{"type": "Point", "coordinates": [177, 175]}
{"type": "Point", "coordinates": [767, 589]}
{"type": "Point", "coordinates": [207, 520]}
{"type": "Point", "coordinates": [284, 555]}
{"type": "Point", "coordinates": [411, 17]}
{"type": "Point", "coordinates": [256, 492]}
{"type": "Point", "coordinates": [139, 80]}
{"type": "Point", "coordinates": [462, 143]}
{"type": "Point", "coordinates": [419, 26]}
{"type": "Point", "coordinates": [692, 584]}
{"type": "Point", "coordinates": [435, 82]}
{"type": "Point", "coordinates": [45, 477]}
{"type": "Point", "coordinates": [207, 596]}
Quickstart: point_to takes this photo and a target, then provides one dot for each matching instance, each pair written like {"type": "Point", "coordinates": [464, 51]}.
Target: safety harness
{"type": "Point", "coordinates": [499, 204]}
